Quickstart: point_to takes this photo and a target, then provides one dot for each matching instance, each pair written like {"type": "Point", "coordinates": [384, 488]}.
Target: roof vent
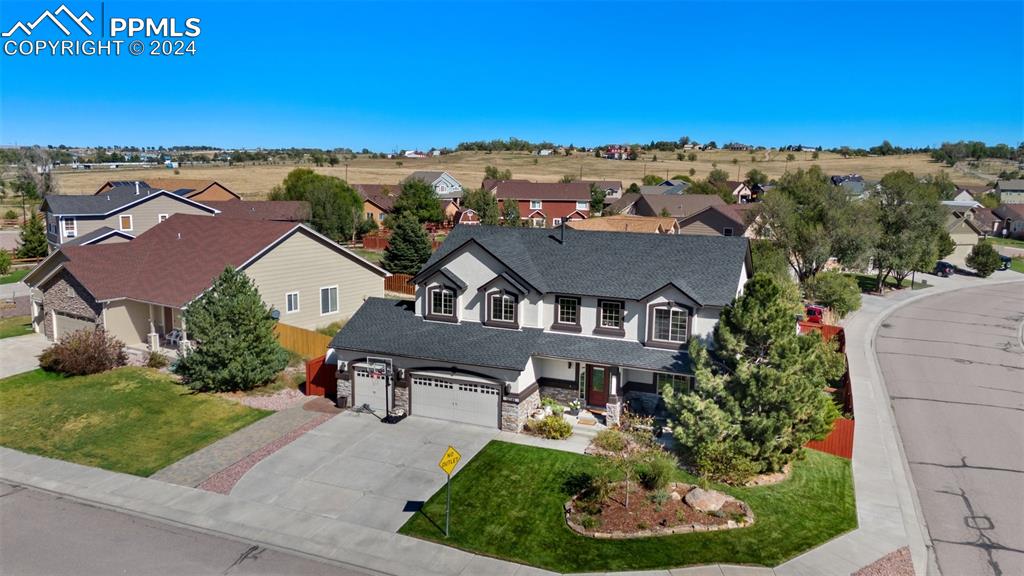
{"type": "Point", "coordinates": [179, 235]}
{"type": "Point", "coordinates": [136, 187]}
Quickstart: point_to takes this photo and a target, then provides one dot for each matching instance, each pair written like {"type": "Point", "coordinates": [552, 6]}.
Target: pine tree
{"type": "Point", "coordinates": [237, 348]}
{"type": "Point", "coordinates": [510, 214]}
{"type": "Point", "coordinates": [409, 248]}
{"type": "Point", "coordinates": [760, 391]}
{"type": "Point", "coordinates": [32, 242]}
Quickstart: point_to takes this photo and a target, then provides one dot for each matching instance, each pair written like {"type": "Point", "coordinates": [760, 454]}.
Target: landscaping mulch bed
{"type": "Point", "coordinates": [650, 513]}
{"type": "Point", "coordinates": [896, 563]}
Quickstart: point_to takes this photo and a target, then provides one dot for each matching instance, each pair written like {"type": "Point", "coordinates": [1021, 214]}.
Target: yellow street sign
{"type": "Point", "coordinates": [449, 460]}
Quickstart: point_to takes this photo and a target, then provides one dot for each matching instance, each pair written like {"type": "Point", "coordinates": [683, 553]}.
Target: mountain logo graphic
{"type": "Point", "coordinates": [27, 27]}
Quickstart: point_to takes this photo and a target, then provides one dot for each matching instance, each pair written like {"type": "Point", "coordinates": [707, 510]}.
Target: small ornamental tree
{"type": "Point", "coordinates": [984, 259]}
{"type": "Point", "coordinates": [236, 347]}
{"type": "Point", "coordinates": [759, 395]}
{"type": "Point", "coordinates": [408, 249]}
{"type": "Point", "coordinates": [836, 291]}
{"type": "Point", "coordinates": [5, 262]}
{"type": "Point", "coordinates": [32, 240]}
{"type": "Point", "coordinates": [597, 197]}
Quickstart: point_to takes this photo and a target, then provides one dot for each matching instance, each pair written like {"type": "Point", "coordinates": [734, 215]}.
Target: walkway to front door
{"type": "Point", "coordinates": [358, 469]}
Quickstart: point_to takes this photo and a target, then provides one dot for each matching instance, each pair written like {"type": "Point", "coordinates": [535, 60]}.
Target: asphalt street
{"type": "Point", "coordinates": [954, 370]}
{"type": "Point", "coordinates": [44, 534]}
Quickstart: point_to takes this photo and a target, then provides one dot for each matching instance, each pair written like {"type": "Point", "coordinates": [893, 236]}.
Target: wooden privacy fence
{"type": "Point", "coordinates": [399, 283]}
{"type": "Point", "coordinates": [306, 343]}
{"type": "Point", "coordinates": [320, 380]}
{"type": "Point", "coordinates": [839, 441]}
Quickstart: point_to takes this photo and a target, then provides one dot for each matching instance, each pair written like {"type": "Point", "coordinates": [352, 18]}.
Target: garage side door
{"type": "Point", "coordinates": [370, 388]}
{"type": "Point", "coordinates": [454, 400]}
{"type": "Point", "coordinates": [67, 324]}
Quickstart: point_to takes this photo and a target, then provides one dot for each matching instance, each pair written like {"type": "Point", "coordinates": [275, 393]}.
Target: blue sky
{"type": "Point", "coordinates": [389, 75]}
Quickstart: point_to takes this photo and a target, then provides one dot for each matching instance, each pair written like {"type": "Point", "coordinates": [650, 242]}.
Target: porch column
{"type": "Point", "coordinates": [614, 407]}
{"type": "Point", "coordinates": [153, 337]}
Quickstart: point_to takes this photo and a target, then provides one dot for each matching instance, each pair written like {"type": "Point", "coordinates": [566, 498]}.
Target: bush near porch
{"type": "Point", "coordinates": [133, 420]}
{"type": "Point", "coordinates": [507, 503]}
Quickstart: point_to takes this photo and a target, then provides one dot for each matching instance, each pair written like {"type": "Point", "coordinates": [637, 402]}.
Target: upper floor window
{"type": "Point", "coordinates": [503, 308]}
{"type": "Point", "coordinates": [536, 204]}
{"type": "Point", "coordinates": [126, 222]}
{"type": "Point", "coordinates": [680, 383]}
{"type": "Point", "coordinates": [161, 217]}
{"type": "Point", "coordinates": [70, 228]}
{"type": "Point", "coordinates": [670, 325]}
{"type": "Point", "coordinates": [442, 302]}
{"type": "Point", "coordinates": [567, 311]}
{"type": "Point", "coordinates": [727, 232]}
{"type": "Point", "coordinates": [582, 205]}
{"type": "Point", "coordinates": [328, 300]}
{"type": "Point", "coordinates": [611, 315]}
{"type": "Point", "coordinates": [556, 221]}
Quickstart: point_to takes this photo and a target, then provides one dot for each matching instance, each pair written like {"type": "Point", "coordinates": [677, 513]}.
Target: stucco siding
{"type": "Point", "coordinates": [303, 264]}
{"type": "Point", "coordinates": [128, 321]}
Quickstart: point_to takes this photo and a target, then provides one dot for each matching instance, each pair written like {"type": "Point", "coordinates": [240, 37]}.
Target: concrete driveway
{"type": "Point", "coordinates": [954, 368]}
{"type": "Point", "coordinates": [357, 469]}
{"type": "Point", "coordinates": [20, 354]}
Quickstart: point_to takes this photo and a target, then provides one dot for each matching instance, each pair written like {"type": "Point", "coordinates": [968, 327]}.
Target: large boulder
{"type": "Point", "coordinates": [706, 501]}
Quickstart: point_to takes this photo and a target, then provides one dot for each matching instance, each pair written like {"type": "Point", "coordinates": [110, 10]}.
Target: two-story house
{"type": "Point", "coordinates": [543, 204]}
{"type": "Point", "coordinates": [504, 316]}
{"type": "Point", "coordinates": [443, 183]}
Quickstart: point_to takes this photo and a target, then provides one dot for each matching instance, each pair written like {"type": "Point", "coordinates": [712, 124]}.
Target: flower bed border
{"type": "Point", "coordinates": [683, 489]}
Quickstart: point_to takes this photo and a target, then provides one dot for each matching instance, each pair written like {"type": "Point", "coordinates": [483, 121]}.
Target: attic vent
{"type": "Point", "coordinates": [179, 235]}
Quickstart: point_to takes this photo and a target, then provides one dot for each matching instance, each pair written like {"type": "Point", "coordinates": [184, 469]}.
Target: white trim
{"type": "Point", "coordinates": [586, 205]}
{"type": "Point", "coordinates": [161, 217]}
{"type": "Point", "coordinates": [556, 221]}
{"type": "Point", "coordinates": [337, 300]}
{"type": "Point", "coordinates": [64, 231]}
{"type": "Point", "coordinates": [297, 302]}
{"type": "Point", "coordinates": [654, 325]}
{"type": "Point", "coordinates": [120, 222]}
{"type": "Point", "coordinates": [539, 204]}
{"type": "Point", "coordinates": [112, 232]}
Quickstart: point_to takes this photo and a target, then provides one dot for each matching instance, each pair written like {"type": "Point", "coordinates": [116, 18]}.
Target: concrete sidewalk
{"type": "Point", "coordinates": [887, 512]}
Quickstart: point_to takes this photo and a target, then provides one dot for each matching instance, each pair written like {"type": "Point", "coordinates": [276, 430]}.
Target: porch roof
{"type": "Point", "coordinates": [389, 327]}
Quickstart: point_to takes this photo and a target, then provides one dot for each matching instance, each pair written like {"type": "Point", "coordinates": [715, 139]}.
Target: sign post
{"type": "Point", "coordinates": [448, 462]}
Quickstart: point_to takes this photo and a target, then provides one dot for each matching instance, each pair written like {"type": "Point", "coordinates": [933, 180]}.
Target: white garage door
{"type": "Point", "coordinates": [455, 400]}
{"type": "Point", "coordinates": [67, 324]}
{"type": "Point", "coordinates": [370, 387]}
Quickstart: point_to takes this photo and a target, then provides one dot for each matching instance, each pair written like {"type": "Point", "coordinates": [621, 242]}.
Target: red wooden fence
{"type": "Point", "coordinates": [320, 378]}
{"type": "Point", "coordinates": [399, 283]}
{"type": "Point", "coordinates": [839, 441]}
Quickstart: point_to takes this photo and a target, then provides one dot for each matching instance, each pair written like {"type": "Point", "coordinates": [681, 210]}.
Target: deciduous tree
{"type": "Point", "coordinates": [419, 199]}
{"type": "Point", "coordinates": [984, 259]}
{"type": "Point", "coordinates": [910, 221]}
{"type": "Point", "coordinates": [336, 209]}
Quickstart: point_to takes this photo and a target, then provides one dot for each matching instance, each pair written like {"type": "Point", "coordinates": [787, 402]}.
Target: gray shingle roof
{"type": "Point", "coordinates": [610, 264]}
{"type": "Point", "coordinates": [99, 204]}
{"type": "Point", "coordinates": [406, 334]}
{"type": "Point", "coordinates": [96, 234]}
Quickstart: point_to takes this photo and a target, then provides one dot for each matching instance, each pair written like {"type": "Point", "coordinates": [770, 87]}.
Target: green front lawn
{"type": "Point", "coordinates": [133, 420]}
{"type": "Point", "coordinates": [14, 276]}
{"type": "Point", "coordinates": [869, 283]}
{"type": "Point", "coordinates": [1007, 242]}
{"type": "Point", "coordinates": [507, 502]}
{"type": "Point", "coordinates": [15, 326]}
{"type": "Point", "coordinates": [371, 255]}
{"type": "Point", "coordinates": [1017, 265]}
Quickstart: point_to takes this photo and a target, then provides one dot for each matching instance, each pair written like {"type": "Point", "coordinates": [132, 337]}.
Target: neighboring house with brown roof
{"type": "Point", "coordinates": [138, 290]}
{"type": "Point", "coordinates": [722, 220]}
{"type": "Point", "coordinates": [964, 231]}
{"type": "Point", "coordinates": [1013, 220]}
{"type": "Point", "coordinates": [678, 206]}
{"type": "Point", "coordinates": [628, 223]}
{"type": "Point", "coordinates": [277, 210]}
{"type": "Point", "coordinates": [544, 204]}
{"type": "Point", "coordinates": [195, 189]}
{"type": "Point", "coordinates": [740, 191]}
{"type": "Point", "coordinates": [612, 188]}
{"type": "Point", "coordinates": [378, 199]}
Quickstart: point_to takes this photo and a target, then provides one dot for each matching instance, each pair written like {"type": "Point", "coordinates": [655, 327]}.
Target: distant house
{"type": "Point", "coordinates": [627, 223]}
{"type": "Point", "coordinates": [740, 191]}
{"type": "Point", "coordinates": [676, 206]}
{"type": "Point", "coordinates": [988, 222]}
{"type": "Point", "coordinates": [964, 231]}
{"type": "Point", "coordinates": [616, 152]}
{"type": "Point", "coordinates": [138, 290]}
{"type": "Point", "coordinates": [446, 186]}
{"type": "Point", "coordinates": [467, 216]}
{"type": "Point", "coordinates": [612, 188]}
{"type": "Point", "coordinates": [545, 152]}
{"type": "Point", "coordinates": [963, 195]}
{"type": "Point", "coordinates": [414, 154]}
{"type": "Point", "coordinates": [661, 189]}
{"type": "Point", "coordinates": [1012, 216]}
{"type": "Point", "coordinates": [378, 199]}
{"type": "Point", "coordinates": [1010, 191]}
{"type": "Point", "coordinates": [853, 184]}
{"type": "Point", "coordinates": [544, 204]}
{"type": "Point", "coordinates": [719, 220]}
{"type": "Point", "coordinates": [128, 209]}
{"type": "Point", "coordinates": [273, 210]}
{"type": "Point", "coordinates": [193, 189]}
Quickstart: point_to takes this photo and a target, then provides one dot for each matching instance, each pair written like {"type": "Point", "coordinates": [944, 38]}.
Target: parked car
{"type": "Point", "coordinates": [1007, 262]}
{"type": "Point", "coordinates": [815, 314]}
{"type": "Point", "coordinates": [944, 269]}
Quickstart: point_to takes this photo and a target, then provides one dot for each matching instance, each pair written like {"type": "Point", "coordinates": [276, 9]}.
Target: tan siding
{"type": "Point", "coordinates": [303, 264]}
{"type": "Point", "coordinates": [709, 223]}
{"type": "Point", "coordinates": [128, 321]}
{"type": "Point", "coordinates": [213, 194]}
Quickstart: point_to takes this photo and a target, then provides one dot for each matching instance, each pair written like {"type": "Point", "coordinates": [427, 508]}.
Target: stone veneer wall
{"type": "Point", "coordinates": [561, 395]}
{"type": "Point", "coordinates": [401, 397]}
{"type": "Point", "coordinates": [514, 415]}
{"type": "Point", "coordinates": [64, 293]}
{"type": "Point", "coordinates": [344, 380]}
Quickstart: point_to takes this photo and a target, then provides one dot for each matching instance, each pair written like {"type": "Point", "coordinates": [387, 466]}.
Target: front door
{"type": "Point", "coordinates": [597, 385]}
{"type": "Point", "coordinates": [168, 320]}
